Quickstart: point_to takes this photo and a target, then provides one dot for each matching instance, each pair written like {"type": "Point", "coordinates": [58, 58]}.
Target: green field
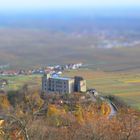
{"type": "Point", "coordinates": [17, 82]}
{"type": "Point", "coordinates": [125, 85]}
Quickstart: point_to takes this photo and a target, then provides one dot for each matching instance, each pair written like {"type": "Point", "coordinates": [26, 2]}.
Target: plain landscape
{"type": "Point", "coordinates": [107, 46]}
{"type": "Point", "coordinates": [108, 43]}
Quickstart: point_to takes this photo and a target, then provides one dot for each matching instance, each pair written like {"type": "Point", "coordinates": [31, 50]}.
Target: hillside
{"type": "Point", "coordinates": [69, 117]}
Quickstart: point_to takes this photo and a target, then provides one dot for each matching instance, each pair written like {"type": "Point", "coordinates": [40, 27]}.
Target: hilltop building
{"type": "Point", "coordinates": [57, 84]}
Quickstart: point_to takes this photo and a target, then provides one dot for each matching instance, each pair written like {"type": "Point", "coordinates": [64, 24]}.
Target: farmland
{"type": "Point", "coordinates": [16, 82]}
{"type": "Point", "coordinates": [125, 85]}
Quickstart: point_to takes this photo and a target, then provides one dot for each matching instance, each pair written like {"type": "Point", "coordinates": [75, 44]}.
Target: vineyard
{"type": "Point", "coordinates": [125, 85]}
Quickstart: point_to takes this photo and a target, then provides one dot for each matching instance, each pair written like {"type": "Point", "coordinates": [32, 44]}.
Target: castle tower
{"type": "Point", "coordinates": [80, 84]}
{"type": "Point", "coordinates": [45, 82]}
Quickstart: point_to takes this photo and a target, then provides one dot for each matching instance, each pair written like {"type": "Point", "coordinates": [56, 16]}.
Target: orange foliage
{"type": "Point", "coordinates": [53, 110]}
{"type": "Point", "coordinates": [105, 109]}
{"type": "Point", "coordinates": [79, 114]}
{"type": "Point", "coordinates": [4, 103]}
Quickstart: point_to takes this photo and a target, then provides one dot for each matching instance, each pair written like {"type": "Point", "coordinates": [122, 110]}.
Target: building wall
{"type": "Point", "coordinates": [71, 85]}
{"type": "Point", "coordinates": [59, 85]}
{"type": "Point", "coordinates": [45, 85]}
{"type": "Point", "coordinates": [63, 85]}
{"type": "Point", "coordinates": [76, 83]}
{"type": "Point", "coordinates": [50, 84]}
{"type": "Point", "coordinates": [82, 86]}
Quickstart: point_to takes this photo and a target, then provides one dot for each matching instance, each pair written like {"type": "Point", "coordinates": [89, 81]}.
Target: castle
{"type": "Point", "coordinates": [57, 84]}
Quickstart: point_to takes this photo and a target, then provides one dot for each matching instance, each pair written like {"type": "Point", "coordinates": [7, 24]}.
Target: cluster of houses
{"type": "Point", "coordinates": [21, 72]}
{"type": "Point", "coordinates": [73, 66]}
{"type": "Point", "coordinates": [53, 82]}
{"type": "Point", "coordinates": [57, 69]}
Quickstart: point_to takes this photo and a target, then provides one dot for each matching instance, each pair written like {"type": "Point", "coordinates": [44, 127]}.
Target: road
{"type": "Point", "coordinates": [111, 105]}
{"type": "Point", "coordinates": [113, 110]}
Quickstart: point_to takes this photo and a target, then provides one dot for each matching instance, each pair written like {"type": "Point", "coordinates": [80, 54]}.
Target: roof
{"type": "Point", "coordinates": [60, 78]}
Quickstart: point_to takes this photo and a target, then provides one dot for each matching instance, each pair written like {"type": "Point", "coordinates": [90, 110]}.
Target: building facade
{"type": "Point", "coordinates": [82, 86]}
{"type": "Point", "coordinates": [58, 84]}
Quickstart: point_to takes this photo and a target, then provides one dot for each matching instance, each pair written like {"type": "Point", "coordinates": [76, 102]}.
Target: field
{"type": "Point", "coordinates": [17, 82]}
{"type": "Point", "coordinates": [124, 85]}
